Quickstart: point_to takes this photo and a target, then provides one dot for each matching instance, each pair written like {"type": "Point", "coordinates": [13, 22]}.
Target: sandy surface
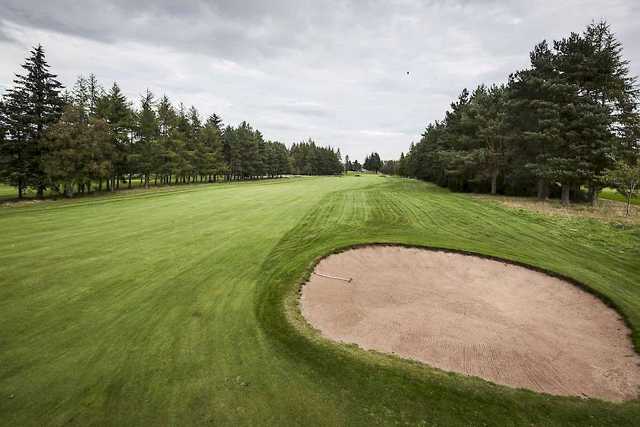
{"type": "Point", "coordinates": [504, 323]}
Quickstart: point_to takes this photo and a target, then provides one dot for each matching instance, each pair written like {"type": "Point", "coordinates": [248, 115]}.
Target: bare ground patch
{"type": "Point", "coordinates": [504, 323]}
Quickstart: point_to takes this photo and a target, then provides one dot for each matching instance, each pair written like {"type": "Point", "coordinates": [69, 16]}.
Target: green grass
{"type": "Point", "coordinates": [611, 194]}
{"type": "Point", "coordinates": [7, 192]}
{"type": "Point", "coordinates": [177, 306]}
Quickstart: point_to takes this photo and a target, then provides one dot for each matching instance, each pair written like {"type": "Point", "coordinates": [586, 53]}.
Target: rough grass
{"type": "Point", "coordinates": [179, 307]}
{"type": "Point", "coordinates": [608, 210]}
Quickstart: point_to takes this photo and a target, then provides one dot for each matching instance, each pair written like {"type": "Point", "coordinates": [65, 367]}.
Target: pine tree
{"type": "Point", "coordinates": [94, 91]}
{"type": "Point", "coordinates": [593, 62]}
{"type": "Point", "coordinates": [80, 96]}
{"type": "Point", "coordinates": [211, 139]}
{"type": "Point", "coordinates": [28, 110]}
{"type": "Point", "coordinates": [215, 121]}
{"type": "Point", "coordinates": [114, 108]}
{"type": "Point", "coordinates": [146, 149]}
{"type": "Point", "coordinates": [537, 99]}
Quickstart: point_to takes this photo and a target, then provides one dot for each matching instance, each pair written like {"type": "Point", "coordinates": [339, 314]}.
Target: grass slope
{"type": "Point", "coordinates": [611, 194]}
{"type": "Point", "coordinates": [170, 307]}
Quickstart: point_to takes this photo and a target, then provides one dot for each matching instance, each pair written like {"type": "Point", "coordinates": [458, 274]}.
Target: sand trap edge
{"type": "Point", "coordinates": [293, 310]}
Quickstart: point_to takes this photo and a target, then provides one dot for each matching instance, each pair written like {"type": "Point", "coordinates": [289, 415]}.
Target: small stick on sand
{"type": "Point", "coordinates": [334, 277]}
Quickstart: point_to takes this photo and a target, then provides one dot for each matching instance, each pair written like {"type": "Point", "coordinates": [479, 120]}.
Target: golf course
{"type": "Point", "coordinates": [180, 305]}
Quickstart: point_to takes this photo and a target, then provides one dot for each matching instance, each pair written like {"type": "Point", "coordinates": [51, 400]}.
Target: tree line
{"type": "Point", "coordinates": [90, 138]}
{"type": "Point", "coordinates": [558, 127]}
{"type": "Point", "coordinates": [372, 163]}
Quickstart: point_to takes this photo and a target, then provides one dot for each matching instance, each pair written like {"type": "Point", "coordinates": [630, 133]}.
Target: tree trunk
{"type": "Point", "coordinates": [594, 192]}
{"type": "Point", "coordinates": [494, 182]}
{"type": "Point", "coordinates": [628, 204]}
{"type": "Point", "coordinates": [19, 191]}
{"type": "Point", "coordinates": [566, 194]}
{"type": "Point", "coordinates": [40, 192]}
{"type": "Point", "coordinates": [543, 189]}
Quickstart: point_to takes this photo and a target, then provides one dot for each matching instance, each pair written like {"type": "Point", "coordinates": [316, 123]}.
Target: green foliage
{"type": "Point", "coordinates": [559, 124]}
{"type": "Point", "coordinates": [26, 112]}
{"type": "Point", "coordinates": [390, 167]}
{"type": "Point", "coordinates": [104, 139]}
{"type": "Point", "coordinates": [309, 159]}
{"type": "Point", "coordinates": [625, 178]}
{"type": "Point", "coordinates": [372, 162]}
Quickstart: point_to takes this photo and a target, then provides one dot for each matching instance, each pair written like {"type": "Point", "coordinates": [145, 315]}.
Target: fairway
{"type": "Point", "coordinates": [179, 306]}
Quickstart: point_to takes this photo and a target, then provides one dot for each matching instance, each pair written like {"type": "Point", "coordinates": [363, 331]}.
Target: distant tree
{"type": "Point", "coordinates": [390, 167]}
{"type": "Point", "coordinates": [309, 159]}
{"type": "Point", "coordinates": [347, 164]}
{"type": "Point", "coordinates": [626, 179]}
{"type": "Point", "coordinates": [101, 138]}
{"type": "Point", "coordinates": [402, 165]}
{"type": "Point", "coordinates": [29, 108]}
{"type": "Point", "coordinates": [372, 162]}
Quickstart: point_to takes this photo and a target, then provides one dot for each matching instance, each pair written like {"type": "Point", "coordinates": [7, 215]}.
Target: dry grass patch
{"type": "Point", "coordinates": [607, 210]}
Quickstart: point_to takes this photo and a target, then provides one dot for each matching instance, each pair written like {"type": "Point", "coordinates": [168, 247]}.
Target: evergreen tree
{"type": "Point", "coordinates": [29, 108]}
{"type": "Point", "coordinates": [146, 154]}
{"type": "Point", "coordinates": [347, 164]}
{"type": "Point", "coordinates": [101, 138]}
{"type": "Point", "coordinates": [557, 126]}
{"type": "Point", "coordinates": [211, 139]}
{"type": "Point", "coordinates": [593, 62]}
{"type": "Point", "coordinates": [114, 108]}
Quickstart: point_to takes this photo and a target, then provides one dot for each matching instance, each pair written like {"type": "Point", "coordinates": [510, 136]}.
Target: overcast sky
{"type": "Point", "coordinates": [332, 71]}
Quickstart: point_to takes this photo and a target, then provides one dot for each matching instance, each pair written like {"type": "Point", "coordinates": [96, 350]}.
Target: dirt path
{"type": "Point", "coordinates": [504, 323]}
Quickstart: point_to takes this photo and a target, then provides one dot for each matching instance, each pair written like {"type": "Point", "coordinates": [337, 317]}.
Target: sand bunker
{"type": "Point", "coordinates": [504, 323]}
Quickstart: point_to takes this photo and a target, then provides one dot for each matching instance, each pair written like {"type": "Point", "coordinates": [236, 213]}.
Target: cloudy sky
{"type": "Point", "coordinates": [332, 71]}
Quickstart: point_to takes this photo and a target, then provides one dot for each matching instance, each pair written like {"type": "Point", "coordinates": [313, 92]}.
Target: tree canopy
{"type": "Point", "coordinates": [554, 128]}
{"type": "Point", "coordinates": [90, 138]}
